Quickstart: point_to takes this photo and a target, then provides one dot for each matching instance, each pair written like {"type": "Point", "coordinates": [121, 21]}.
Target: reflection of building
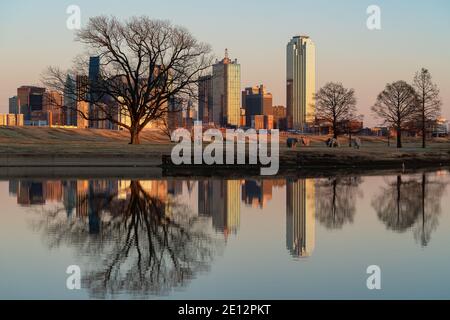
{"type": "Point", "coordinates": [301, 82]}
{"type": "Point", "coordinates": [300, 217]}
{"type": "Point", "coordinates": [13, 185]}
{"type": "Point", "coordinates": [81, 198]}
{"type": "Point", "coordinates": [220, 199]}
{"type": "Point", "coordinates": [257, 193]}
{"type": "Point", "coordinates": [53, 191]}
{"type": "Point", "coordinates": [30, 193]}
{"type": "Point", "coordinates": [175, 187]}
{"type": "Point", "coordinates": [69, 196]}
{"type": "Point", "coordinates": [36, 192]}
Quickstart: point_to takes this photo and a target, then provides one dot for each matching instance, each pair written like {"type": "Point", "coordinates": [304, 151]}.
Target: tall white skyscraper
{"type": "Point", "coordinates": [300, 81]}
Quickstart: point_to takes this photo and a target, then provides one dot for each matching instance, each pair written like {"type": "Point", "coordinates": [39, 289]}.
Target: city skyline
{"type": "Point", "coordinates": [353, 59]}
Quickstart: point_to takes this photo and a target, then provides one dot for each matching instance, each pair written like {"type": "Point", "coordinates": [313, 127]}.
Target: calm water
{"type": "Point", "coordinates": [231, 239]}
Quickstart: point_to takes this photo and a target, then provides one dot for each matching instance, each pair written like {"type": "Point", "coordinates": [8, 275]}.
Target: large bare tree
{"type": "Point", "coordinates": [396, 105]}
{"type": "Point", "coordinates": [429, 102]}
{"type": "Point", "coordinates": [335, 104]}
{"type": "Point", "coordinates": [144, 65]}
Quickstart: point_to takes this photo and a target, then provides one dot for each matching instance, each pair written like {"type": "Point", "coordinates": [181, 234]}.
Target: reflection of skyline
{"type": "Point", "coordinates": [407, 203]}
{"type": "Point", "coordinates": [300, 217]}
{"type": "Point", "coordinates": [217, 199]}
{"type": "Point", "coordinates": [220, 200]}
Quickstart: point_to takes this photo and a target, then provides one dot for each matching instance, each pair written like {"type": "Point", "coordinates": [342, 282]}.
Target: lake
{"type": "Point", "coordinates": [214, 238]}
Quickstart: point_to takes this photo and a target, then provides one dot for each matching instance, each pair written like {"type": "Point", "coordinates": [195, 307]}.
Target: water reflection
{"type": "Point", "coordinates": [300, 217]}
{"type": "Point", "coordinates": [151, 237]}
{"type": "Point", "coordinates": [411, 202]}
{"type": "Point", "coordinates": [137, 238]}
{"type": "Point", "coordinates": [336, 200]}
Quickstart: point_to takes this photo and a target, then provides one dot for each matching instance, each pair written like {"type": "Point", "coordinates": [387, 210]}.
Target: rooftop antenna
{"type": "Point", "coordinates": [226, 53]}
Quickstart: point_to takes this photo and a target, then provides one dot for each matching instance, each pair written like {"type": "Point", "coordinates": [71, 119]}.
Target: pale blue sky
{"type": "Point", "coordinates": [33, 35]}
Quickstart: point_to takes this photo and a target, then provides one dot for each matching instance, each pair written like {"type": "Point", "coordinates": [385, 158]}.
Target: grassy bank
{"type": "Point", "coordinates": [32, 146]}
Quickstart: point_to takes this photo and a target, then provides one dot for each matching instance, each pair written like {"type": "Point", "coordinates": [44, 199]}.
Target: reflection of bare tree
{"type": "Point", "coordinates": [336, 199]}
{"type": "Point", "coordinates": [412, 203]}
{"type": "Point", "coordinates": [133, 245]}
{"type": "Point", "coordinates": [431, 193]}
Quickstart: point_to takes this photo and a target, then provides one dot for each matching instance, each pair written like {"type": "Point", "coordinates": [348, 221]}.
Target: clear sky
{"type": "Point", "coordinates": [414, 34]}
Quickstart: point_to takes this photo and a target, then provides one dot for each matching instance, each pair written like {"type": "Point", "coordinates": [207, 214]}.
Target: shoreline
{"type": "Point", "coordinates": [291, 159]}
{"type": "Point", "coordinates": [158, 166]}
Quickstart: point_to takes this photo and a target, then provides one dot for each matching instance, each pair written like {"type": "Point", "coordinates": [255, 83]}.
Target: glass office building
{"type": "Point", "coordinates": [226, 88]}
{"type": "Point", "coordinates": [300, 82]}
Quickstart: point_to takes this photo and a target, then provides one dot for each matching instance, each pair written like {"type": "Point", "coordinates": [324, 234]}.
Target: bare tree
{"type": "Point", "coordinates": [143, 64]}
{"type": "Point", "coordinates": [396, 105]}
{"type": "Point", "coordinates": [335, 104]}
{"type": "Point", "coordinates": [429, 102]}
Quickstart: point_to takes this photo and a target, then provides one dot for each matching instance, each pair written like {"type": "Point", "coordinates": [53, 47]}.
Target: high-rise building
{"type": "Point", "coordinates": [53, 108]}
{"type": "Point", "coordinates": [94, 69]}
{"type": "Point", "coordinates": [256, 101]}
{"type": "Point", "coordinates": [226, 86]}
{"type": "Point", "coordinates": [30, 99]}
{"type": "Point", "coordinates": [205, 99]}
{"type": "Point", "coordinates": [300, 82]}
{"type": "Point", "coordinates": [13, 106]}
{"type": "Point", "coordinates": [93, 78]}
{"type": "Point", "coordinates": [70, 101]}
{"type": "Point", "coordinates": [279, 117]}
{"type": "Point", "coordinates": [300, 217]}
{"type": "Point", "coordinates": [82, 106]}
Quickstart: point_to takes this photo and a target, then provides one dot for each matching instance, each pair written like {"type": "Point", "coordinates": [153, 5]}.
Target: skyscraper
{"type": "Point", "coordinates": [300, 82]}
{"type": "Point", "coordinates": [205, 99]}
{"type": "Point", "coordinates": [30, 99]}
{"type": "Point", "coordinates": [94, 77]}
{"type": "Point", "coordinates": [13, 107]}
{"type": "Point", "coordinates": [70, 101]}
{"type": "Point", "coordinates": [53, 108]}
{"type": "Point", "coordinates": [226, 85]}
{"type": "Point", "coordinates": [256, 101]}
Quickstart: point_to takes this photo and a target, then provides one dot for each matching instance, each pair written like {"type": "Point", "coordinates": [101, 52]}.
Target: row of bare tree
{"type": "Point", "coordinates": [400, 105]}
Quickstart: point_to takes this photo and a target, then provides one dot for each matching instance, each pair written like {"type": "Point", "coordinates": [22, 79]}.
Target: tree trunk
{"type": "Point", "coordinates": [399, 194]}
{"type": "Point", "coordinates": [399, 137]}
{"type": "Point", "coordinates": [424, 132]}
{"type": "Point", "coordinates": [134, 136]}
{"type": "Point", "coordinates": [350, 139]}
{"type": "Point", "coordinates": [335, 133]}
